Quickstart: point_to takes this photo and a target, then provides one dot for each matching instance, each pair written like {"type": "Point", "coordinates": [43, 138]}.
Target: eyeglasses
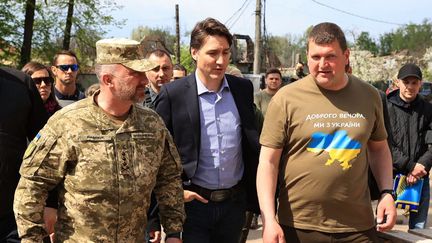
{"type": "Point", "coordinates": [46, 80]}
{"type": "Point", "coordinates": [65, 68]}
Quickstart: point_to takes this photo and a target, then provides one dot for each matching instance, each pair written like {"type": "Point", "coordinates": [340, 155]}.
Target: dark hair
{"type": "Point", "coordinates": [326, 33]}
{"type": "Point", "coordinates": [180, 67]}
{"type": "Point", "coordinates": [273, 70]}
{"type": "Point", "coordinates": [32, 67]}
{"type": "Point", "coordinates": [63, 52]}
{"type": "Point", "coordinates": [208, 27]}
{"type": "Point", "coordinates": [51, 105]}
{"type": "Point", "coordinates": [158, 53]}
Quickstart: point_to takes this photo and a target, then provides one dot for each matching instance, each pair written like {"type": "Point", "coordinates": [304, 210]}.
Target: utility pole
{"type": "Point", "coordinates": [177, 52]}
{"type": "Point", "coordinates": [257, 48]}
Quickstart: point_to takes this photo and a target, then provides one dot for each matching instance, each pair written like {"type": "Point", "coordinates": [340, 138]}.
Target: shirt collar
{"type": "Point", "coordinates": [61, 96]}
{"type": "Point", "coordinates": [203, 89]}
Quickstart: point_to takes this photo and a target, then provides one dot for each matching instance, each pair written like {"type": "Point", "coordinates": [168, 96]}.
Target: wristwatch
{"type": "Point", "coordinates": [389, 191]}
{"type": "Point", "coordinates": [177, 235]}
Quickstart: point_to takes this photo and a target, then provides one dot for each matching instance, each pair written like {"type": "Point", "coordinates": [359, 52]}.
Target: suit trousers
{"type": "Point", "coordinates": [215, 222]}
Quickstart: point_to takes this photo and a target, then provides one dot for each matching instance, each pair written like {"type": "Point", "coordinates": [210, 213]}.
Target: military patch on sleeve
{"type": "Point", "coordinates": [143, 135]}
{"type": "Point", "coordinates": [31, 147]}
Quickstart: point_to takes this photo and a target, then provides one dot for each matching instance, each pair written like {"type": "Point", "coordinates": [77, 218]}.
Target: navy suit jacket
{"type": "Point", "coordinates": [178, 105]}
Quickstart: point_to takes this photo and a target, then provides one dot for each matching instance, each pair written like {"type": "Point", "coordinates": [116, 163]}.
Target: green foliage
{"type": "Point", "coordinates": [365, 42]}
{"type": "Point", "coordinates": [186, 59]}
{"type": "Point", "coordinates": [10, 30]}
{"type": "Point", "coordinates": [415, 38]}
{"type": "Point", "coordinates": [90, 16]}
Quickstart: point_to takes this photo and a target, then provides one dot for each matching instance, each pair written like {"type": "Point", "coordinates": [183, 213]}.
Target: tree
{"type": "Point", "coordinates": [164, 35]}
{"type": "Point", "coordinates": [285, 47]}
{"type": "Point", "coordinates": [186, 59]}
{"type": "Point", "coordinates": [68, 26]}
{"type": "Point", "coordinates": [415, 38]}
{"type": "Point", "coordinates": [10, 26]}
{"type": "Point", "coordinates": [28, 32]}
{"type": "Point", "coordinates": [365, 42]}
{"type": "Point", "coordinates": [85, 26]}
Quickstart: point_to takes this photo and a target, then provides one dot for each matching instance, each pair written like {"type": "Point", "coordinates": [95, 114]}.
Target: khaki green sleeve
{"type": "Point", "coordinates": [275, 128]}
{"type": "Point", "coordinates": [169, 190]}
{"type": "Point", "coordinates": [40, 172]}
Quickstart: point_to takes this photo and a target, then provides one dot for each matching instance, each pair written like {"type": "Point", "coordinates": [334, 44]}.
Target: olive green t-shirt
{"type": "Point", "coordinates": [323, 169]}
{"type": "Point", "coordinates": [261, 100]}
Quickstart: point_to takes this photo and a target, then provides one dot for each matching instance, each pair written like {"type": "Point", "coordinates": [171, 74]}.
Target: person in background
{"type": "Point", "coordinates": [299, 72]}
{"type": "Point", "coordinates": [158, 76]}
{"type": "Point", "coordinates": [106, 162]}
{"type": "Point", "coordinates": [316, 136]}
{"type": "Point", "coordinates": [273, 81]}
{"type": "Point", "coordinates": [22, 115]}
{"type": "Point", "coordinates": [210, 116]}
{"type": "Point", "coordinates": [44, 81]}
{"type": "Point", "coordinates": [179, 71]}
{"type": "Point", "coordinates": [410, 136]}
{"type": "Point", "coordinates": [65, 69]}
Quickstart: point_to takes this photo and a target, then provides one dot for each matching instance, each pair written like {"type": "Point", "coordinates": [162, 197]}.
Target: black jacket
{"type": "Point", "coordinates": [22, 115]}
{"type": "Point", "coordinates": [178, 105]}
{"type": "Point", "coordinates": [410, 132]}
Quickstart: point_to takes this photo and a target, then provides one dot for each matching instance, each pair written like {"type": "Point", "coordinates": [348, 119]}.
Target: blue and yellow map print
{"type": "Point", "coordinates": [339, 146]}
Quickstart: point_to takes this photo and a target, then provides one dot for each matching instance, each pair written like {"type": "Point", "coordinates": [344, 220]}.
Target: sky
{"type": "Point", "coordinates": [282, 16]}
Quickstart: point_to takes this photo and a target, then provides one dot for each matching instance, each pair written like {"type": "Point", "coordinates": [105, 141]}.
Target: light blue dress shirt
{"type": "Point", "coordinates": [220, 164]}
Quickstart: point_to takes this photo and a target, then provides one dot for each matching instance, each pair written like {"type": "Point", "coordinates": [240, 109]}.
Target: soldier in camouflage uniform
{"type": "Point", "coordinates": [107, 155]}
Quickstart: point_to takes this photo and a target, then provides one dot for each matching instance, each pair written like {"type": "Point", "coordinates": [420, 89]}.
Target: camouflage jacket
{"type": "Point", "coordinates": [105, 173]}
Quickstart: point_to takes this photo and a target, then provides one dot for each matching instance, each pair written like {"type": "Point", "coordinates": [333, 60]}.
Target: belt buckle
{"type": "Point", "coordinates": [219, 195]}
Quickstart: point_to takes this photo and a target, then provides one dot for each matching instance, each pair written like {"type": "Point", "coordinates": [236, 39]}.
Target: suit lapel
{"type": "Point", "coordinates": [236, 93]}
{"type": "Point", "coordinates": [192, 105]}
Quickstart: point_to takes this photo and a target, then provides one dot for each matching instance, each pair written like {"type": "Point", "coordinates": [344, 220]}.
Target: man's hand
{"type": "Point", "coordinates": [50, 218]}
{"type": "Point", "coordinates": [272, 232]}
{"type": "Point", "coordinates": [173, 240]}
{"type": "Point", "coordinates": [190, 195]}
{"type": "Point", "coordinates": [417, 173]}
{"type": "Point", "coordinates": [155, 236]}
{"type": "Point", "coordinates": [386, 209]}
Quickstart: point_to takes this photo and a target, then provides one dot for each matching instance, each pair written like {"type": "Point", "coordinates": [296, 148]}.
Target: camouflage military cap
{"type": "Point", "coordinates": [127, 52]}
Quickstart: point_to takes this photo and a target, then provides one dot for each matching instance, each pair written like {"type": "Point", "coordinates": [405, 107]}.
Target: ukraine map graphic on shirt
{"type": "Point", "coordinates": [339, 146]}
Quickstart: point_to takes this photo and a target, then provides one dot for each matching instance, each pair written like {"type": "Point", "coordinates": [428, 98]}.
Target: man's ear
{"type": "Point", "coordinates": [194, 53]}
{"type": "Point", "coordinates": [347, 54]}
{"type": "Point", "coordinates": [107, 80]}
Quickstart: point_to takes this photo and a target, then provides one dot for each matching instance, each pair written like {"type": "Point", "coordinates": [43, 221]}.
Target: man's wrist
{"type": "Point", "coordinates": [389, 191]}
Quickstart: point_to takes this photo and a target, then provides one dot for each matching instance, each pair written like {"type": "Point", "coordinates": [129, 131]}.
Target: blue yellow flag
{"type": "Point", "coordinates": [408, 196]}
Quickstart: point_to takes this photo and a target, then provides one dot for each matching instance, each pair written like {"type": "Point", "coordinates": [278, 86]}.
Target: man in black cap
{"type": "Point", "coordinates": [410, 134]}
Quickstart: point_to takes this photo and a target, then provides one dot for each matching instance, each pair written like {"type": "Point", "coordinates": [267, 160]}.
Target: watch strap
{"type": "Point", "coordinates": [389, 191]}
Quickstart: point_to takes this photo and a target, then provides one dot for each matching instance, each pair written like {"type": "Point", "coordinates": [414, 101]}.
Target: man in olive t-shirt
{"type": "Point", "coordinates": [273, 80]}
{"type": "Point", "coordinates": [314, 138]}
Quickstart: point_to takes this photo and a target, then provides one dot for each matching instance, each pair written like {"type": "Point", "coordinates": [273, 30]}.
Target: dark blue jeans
{"type": "Point", "coordinates": [214, 222]}
{"type": "Point", "coordinates": [418, 220]}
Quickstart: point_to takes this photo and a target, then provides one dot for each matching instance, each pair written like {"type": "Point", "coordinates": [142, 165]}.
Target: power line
{"type": "Point", "coordinates": [244, 9]}
{"type": "Point", "coordinates": [356, 15]}
{"type": "Point", "coordinates": [232, 16]}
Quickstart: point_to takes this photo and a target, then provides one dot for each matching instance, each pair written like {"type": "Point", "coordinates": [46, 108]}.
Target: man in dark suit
{"type": "Point", "coordinates": [211, 118]}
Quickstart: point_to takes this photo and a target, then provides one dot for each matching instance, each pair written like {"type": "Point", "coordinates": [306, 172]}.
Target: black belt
{"type": "Point", "coordinates": [218, 195]}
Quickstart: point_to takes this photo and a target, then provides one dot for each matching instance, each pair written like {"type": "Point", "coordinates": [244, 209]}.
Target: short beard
{"type": "Point", "coordinates": [127, 95]}
{"type": "Point", "coordinates": [66, 82]}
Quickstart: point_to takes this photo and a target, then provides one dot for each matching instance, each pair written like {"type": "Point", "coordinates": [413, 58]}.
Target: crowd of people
{"type": "Point", "coordinates": [201, 155]}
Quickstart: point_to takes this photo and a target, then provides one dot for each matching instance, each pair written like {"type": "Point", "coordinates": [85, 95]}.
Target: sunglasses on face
{"type": "Point", "coordinates": [46, 80]}
{"type": "Point", "coordinates": [64, 68]}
